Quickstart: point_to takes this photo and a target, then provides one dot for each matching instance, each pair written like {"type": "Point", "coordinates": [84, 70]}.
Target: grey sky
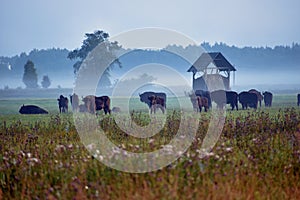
{"type": "Point", "coordinates": [29, 24]}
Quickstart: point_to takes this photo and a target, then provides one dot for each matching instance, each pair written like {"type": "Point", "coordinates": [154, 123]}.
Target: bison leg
{"type": "Point", "coordinates": [162, 109]}
{"type": "Point", "coordinates": [152, 109]}
{"type": "Point", "coordinates": [232, 106]}
{"type": "Point", "coordinates": [243, 106]}
{"type": "Point", "coordinates": [106, 110]}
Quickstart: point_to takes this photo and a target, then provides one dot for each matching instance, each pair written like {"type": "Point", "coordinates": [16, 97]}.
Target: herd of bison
{"type": "Point", "coordinates": [200, 99]}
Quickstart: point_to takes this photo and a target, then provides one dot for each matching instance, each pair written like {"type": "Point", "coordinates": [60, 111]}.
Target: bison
{"type": "Point", "coordinates": [157, 102]}
{"type": "Point", "coordinates": [144, 97]}
{"type": "Point", "coordinates": [198, 102]}
{"type": "Point", "coordinates": [248, 99]}
{"type": "Point", "coordinates": [203, 93]}
{"type": "Point", "coordinates": [93, 103]}
{"type": "Point", "coordinates": [82, 108]}
{"type": "Point", "coordinates": [74, 99]}
{"type": "Point", "coordinates": [63, 104]}
{"type": "Point", "coordinates": [222, 97]}
{"type": "Point", "coordinates": [116, 110]}
{"type": "Point", "coordinates": [259, 95]}
{"type": "Point", "coordinates": [268, 97]}
{"type": "Point", "coordinates": [203, 102]}
{"type": "Point", "coordinates": [32, 109]}
{"type": "Point", "coordinates": [298, 99]}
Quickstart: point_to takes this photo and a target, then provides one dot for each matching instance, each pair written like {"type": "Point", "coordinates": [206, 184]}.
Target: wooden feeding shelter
{"type": "Point", "coordinates": [211, 71]}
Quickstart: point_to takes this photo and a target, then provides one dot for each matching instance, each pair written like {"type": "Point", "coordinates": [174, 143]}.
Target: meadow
{"type": "Point", "coordinates": [256, 157]}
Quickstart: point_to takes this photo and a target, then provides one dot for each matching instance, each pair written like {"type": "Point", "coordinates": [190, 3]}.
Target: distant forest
{"type": "Point", "coordinates": [54, 62]}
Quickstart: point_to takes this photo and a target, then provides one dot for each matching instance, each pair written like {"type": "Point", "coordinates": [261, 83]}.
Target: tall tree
{"type": "Point", "coordinates": [46, 81]}
{"type": "Point", "coordinates": [30, 78]}
{"type": "Point", "coordinates": [108, 52]}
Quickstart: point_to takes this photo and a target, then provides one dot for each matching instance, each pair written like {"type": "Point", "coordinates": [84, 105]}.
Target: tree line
{"type": "Point", "coordinates": [62, 64]}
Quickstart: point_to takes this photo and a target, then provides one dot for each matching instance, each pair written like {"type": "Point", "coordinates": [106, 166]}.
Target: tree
{"type": "Point", "coordinates": [45, 82]}
{"type": "Point", "coordinates": [93, 40]}
{"type": "Point", "coordinates": [30, 78]}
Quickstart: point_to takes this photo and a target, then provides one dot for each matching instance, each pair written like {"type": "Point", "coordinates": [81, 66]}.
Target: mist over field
{"type": "Point", "coordinates": [274, 69]}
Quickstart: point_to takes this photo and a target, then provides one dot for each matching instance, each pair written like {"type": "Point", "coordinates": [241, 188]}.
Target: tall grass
{"type": "Point", "coordinates": [256, 157]}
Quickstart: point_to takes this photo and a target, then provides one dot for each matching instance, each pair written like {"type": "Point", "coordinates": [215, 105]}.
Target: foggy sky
{"type": "Point", "coordinates": [29, 24]}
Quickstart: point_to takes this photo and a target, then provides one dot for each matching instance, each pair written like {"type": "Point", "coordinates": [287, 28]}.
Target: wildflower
{"type": "Point", "coordinates": [60, 147]}
{"type": "Point", "coordinates": [228, 149]}
{"type": "Point", "coordinates": [32, 161]}
{"type": "Point", "coordinates": [206, 154]}
{"type": "Point", "coordinates": [151, 141]}
{"type": "Point", "coordinates": [90, 146]}
{"type": "Point", "coordinates": [201, 166]}
{"type": "Point", "coordinates": [22, 153]}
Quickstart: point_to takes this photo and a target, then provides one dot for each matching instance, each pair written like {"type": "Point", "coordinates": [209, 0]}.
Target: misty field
{"type": "Point", "coordinates": [256, 157]}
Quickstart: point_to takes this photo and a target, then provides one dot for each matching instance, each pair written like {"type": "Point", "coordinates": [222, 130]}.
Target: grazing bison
{"type": "Point", "coordinates": [63, 104]}
{"type": "Point", "coordinates": [248, 99]}
{"type": "Point", "coordinates": [222, 97]}
{"type": "Point", "coordinates": [198, 102]}
{"type": "Point", "coordinates": [82, 108]}
{"type": "Point", "coordinates": [260, 97]}
{"type": "Point", "coordinates": [32, 109]}
{"type": "Point", "coordinates": [74, 99]}
{"type": "Point", "coordinates": [93, 103]}
{"type": "Point", "coordinates": [203, 93]}
{"type": "Point", "coordinates": [144, 97]}
{"type": "Point", "coordinates": [298, 99]}
{"type": "Point", "coordinates": [116, 110]}
{"type": "Point", "coordinates": [268, 97]}
{"type": "Point", "coordinates": [157, 102]}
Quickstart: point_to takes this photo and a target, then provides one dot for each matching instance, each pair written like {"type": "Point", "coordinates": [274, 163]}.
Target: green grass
{"type": "Point", "coordinates": [256, 157]}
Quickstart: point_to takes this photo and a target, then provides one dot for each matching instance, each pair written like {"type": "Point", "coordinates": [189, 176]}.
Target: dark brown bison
{"type": "Point", "coordinates": [298, 99]}
{"type": "Point", "coordinates": [103, 102]}
{"type": "Point", "coordinates": [32, 109]}
{"type": "Point", "coordinates": [63, 104]}
{"type": "Point", "coordinates": [248, 99]}
{"type": "Point", "coordinates": [157, 102]}
{"type": "Point", "coordinates": [144, 97]}
{"type": "Point", "coordinates": [198, 102]}
{"type": "Point", "coordinates": [203, 93]}
{"type": "Point", "coordinates": [268, 97]}
{"type": "Point", "coordinates": [74, 99]}
{"type": "Point", "coordinates": [222, 97]}
{"type": "Point", "coordinates": [260, 97]}
{"type": "Point", "coordinates": [202, 102]}
{"type": "Point", "coordinates": [93, 103]}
